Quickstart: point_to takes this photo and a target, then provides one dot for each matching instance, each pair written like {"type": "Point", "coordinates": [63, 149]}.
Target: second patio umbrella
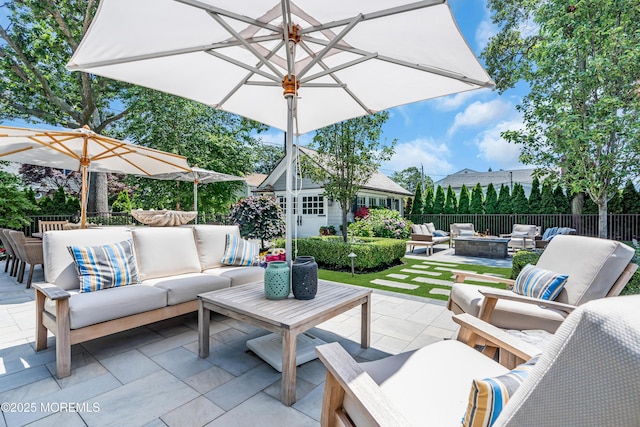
{"type": "Point", "coordinates": [86, 151]}
{"type": "Point", "coordinates": [335, 59]}
{"type": "Point", "coordinates": [197, 176]}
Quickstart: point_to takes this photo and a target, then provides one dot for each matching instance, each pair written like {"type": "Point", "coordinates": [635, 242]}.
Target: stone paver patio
{"type": "Point", "coordinates": [152, 376]}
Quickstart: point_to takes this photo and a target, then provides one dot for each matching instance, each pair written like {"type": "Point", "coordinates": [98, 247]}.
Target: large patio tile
{"type": "Point", "coordinates": [398, 328]}
{"type": "Point", "coordinates": [119, 343]}
{"type": "Point", "coordinates": [26, 376]}
{"type": "Point", "coordinates": [391, 345]}
{"type": "Point", "coordinates": [439, 332]}
{"type": "Point", "coordinates": [422, 340]}
{"type": "Point", "coordinates": [302, 388]}
{"type": "Point", "coordinates": [444, 321]}
{"type": "Point", "coordinates": [198, 412]}
{"type": "Point", "coordinates": [22, 356]}
{"type": "Point", "coordinates": [169, 343]}
{"type": "Point", "coordinates": [30, 392]}
{"type": "Point", "coordinates": [141, 401]}
{"type": "Point", "coordinates": [311, 404]}
{"type": "Point", "coordinates": [231, 359]}
{"type": "Point", "coordinates": [269, 412]}
{"type": "Point", "coordinates": [83, 366]}
{"type": "Point", "coordinates": [426, 314]}
{"type": "Point", "coordinates": [236, 391]}
{"type": "Point", "coordinates": [206, 381]}
{"type": "Point", "coordinates": [130, 366]}
{"type": "Point", "coordinates": [60, 419]}
{"type": "Point", "coordinates": [181, 362]}
{"type": "Point", "coordinates": [313, 371]}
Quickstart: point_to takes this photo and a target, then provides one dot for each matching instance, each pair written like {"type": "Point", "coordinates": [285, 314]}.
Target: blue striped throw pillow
{"type": "Point", "coordinates": [240, 252]}
{"type": "Point", "coordinates": [539, 283]}
{"type": "Point", "coordinates": [105, 266]}
{"type": "Point", "coordinates": [488, 396]}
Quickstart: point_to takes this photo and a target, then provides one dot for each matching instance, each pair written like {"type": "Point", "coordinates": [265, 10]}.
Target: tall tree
{"type": "Point", "coordinates": [535, 198]}
{"type": "Point", "coordinates": [417, 207]}
{"type": "Point", "coordinates": [438, 201]}
{"type": "Point", "coordinates": [266, 157]}
{"type": "Point", "coordinates": [348, 153]}
{"type": "Point", "coordinates": [463, 203]}
{"type": "Point", "coordinates": [410, 177]}
{"type": "Point", "coordinates": [35, 46]}
{"type": "Point", "coordinates": [547, 202]}
{"type": "Point", "coordinates": [427, 207]}
{"type": "Point", "coordinates": [476, 206]}
{"type": "Point", "coordinates": [561, 200]}
{"type": "Point", "coordinates": [504, 200]}
{"type": "Point", "coordinates": [519, 201]}
{"type": "Point", "coordinates": [491, 201]}
{"type": "Point", "coordinates": [211, 139]}
{"type": "Point", "coordinates": [581, 61]}
{"type": "Point", "coordinates": [630, 199]}
{"type": "Point", "coordinates": [13, 203]}
{"type": "Point", "coordinates": [451, 202]}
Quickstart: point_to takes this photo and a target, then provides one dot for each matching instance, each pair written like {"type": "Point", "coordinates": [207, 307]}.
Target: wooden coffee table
{"type": "Point", "coordinates": [289, 317]}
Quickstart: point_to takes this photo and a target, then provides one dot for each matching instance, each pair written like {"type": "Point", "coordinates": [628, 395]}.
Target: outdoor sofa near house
{"type": "Point", "coordinates": [428, 233]}
{"type": "Point", "coordinates": [173, 266]}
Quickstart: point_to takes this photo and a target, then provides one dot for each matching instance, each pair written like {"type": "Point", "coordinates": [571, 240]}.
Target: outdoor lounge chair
{"type": "Point", "coordinates": [588, 376]}
{"type": "Point", "coordinates": [12, 257]}
{"type": "Point", "coordinates": [550, 233]}
{"type": "Point", "coordinates": [29, 252]}
{"type": "Point", "coordinates": [522, 237]}
{"type": "Point", "coordinates": [596, 268]}
{"type": "Point", "coordinates": [50, 225]}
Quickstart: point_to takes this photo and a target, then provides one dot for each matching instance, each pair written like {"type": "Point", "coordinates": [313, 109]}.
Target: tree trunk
{"type": "Point", "coordinates": [577, 204]}
{"type": "Point", "coordinates": [603, 231]}
{"type": "Point", "coordinates": [98, 193]}
{"type": "Point", "coordinates": [344, 225]}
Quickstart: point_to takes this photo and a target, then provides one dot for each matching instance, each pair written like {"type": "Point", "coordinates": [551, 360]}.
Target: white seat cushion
{"type": "Point", "coordinates": [238, 275]}
{"type": "Point", "coordinates": [186, 287]}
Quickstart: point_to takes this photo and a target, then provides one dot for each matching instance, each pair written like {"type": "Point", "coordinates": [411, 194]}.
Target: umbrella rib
{"type": "Point", "coordinates": [248, 76]}
{"type": "Point", "coordinates": [244, 42]}
{"type": "Point", "coordinates": [328, 70]}
{"type": "Point", "coordinates": [228, 14]}
{"type": "Point", "coordinates": [245, 66]}
{"type": "Point", "coordinates": [426, 68]}
{"type": "Point", "coordinates": [354, 21]}
{"type": "Point", "coordinates": [374, 15]}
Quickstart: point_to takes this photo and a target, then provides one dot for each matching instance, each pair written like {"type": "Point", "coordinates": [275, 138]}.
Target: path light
{"type": "Point", "coordinates": [352, 256]}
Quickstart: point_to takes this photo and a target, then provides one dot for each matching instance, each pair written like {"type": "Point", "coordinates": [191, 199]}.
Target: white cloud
{"type": "Point", "coordinates": [480, 113]}
{"type": "Point", "coordinates": [485, 30]}
{"type": "Point", "coordinates": [422, 151]}
{"type": "Point", "coordinates": [496, 150]}
{"type": "Point", "coordinates": [452, 102]}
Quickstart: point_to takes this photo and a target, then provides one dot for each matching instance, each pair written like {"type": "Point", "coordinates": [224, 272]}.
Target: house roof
{"type": "Point", "coordinates": [255, 179]}
{"type": "Point", "coordinates": [470, 178]}
{"type": "Point", "coordinates": [378, 181]}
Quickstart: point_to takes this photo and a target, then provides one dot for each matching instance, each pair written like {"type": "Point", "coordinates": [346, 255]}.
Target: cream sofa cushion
{"type": "Point", "coordinates": [186, 287]}
{"type": "Point", "coordinates": [590, 280]}
{"type": "Point", "coordinates": [238, 275]}
{"type": "Point", "coordinates": [210, 242]}
{"type": "Point", "coordinates": [89, 308]}
{"type": "Point", "coordinates": [165, 251]}
{"type": "Point", "coordinates": [430, 227]}
{"type": "Point", "coordinates": [408, 379]}
{"type": "Point", "coordinates": [59, 267]}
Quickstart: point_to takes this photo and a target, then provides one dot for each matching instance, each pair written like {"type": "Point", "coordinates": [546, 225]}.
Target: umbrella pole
{"type": "Point", "coordinates": [84, 168]}
{"type": "Point", "coordinates": [289, 177]}
{"type": "Point", "coordinates": [195, 197]}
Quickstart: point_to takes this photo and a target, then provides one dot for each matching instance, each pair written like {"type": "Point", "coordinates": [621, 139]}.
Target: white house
{"type": "Point", "coordinates": [470, 178]}
{"type": "Point", "coordinates": [313, 210]}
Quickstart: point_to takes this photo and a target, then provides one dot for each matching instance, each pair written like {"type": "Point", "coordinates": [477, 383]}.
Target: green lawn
{"type": "Point", "coordinates": [426, 278]}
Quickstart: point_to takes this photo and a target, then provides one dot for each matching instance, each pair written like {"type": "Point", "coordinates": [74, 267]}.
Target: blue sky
{"type": "Point", "coordinates": [451, 133]}
{"type": "Point", "coordinates": [460, 131]}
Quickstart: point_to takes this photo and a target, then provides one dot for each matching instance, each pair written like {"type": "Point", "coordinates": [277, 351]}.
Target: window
{"type": "Point", "coordinates": [282, 201]}
{"type": "Point", "coordinates": [373, 202]}
{"type": "Point", "coordinates": [312, 205]}
{"type": "Point", "coordinates": [360, 202]}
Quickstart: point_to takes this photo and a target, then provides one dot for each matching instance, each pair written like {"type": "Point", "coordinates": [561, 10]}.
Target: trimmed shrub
{"type": "Point", "coordinates": [522, 258]}
{"type": "Point", "coordinates": [332, 253]}
{"type": "Point", "coordinates": [381, 223]}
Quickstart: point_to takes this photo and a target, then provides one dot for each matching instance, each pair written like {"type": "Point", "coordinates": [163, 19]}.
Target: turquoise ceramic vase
{"type": "Point", "coordinates": [276, 280]}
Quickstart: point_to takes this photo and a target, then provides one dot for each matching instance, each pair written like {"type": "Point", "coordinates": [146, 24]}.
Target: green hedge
{"type": "Point", "coordinates": [330, 252]}
{"type": "Point", "coordinates": [522, 258]}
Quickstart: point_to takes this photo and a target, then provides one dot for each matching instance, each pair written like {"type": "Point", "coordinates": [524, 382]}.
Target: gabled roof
{"type": "Point", "coordinates": [470, 178]}
{"type": "Point", "coordinates": [378, 181]}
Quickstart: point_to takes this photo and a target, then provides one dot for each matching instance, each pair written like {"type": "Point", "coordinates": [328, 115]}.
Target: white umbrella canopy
{"type": "Point", "coordinates": [335, 59]}
{"type": "Point", "coordinates": [85, 151]}
{"type": "Point", "coordinates": [197, 176]}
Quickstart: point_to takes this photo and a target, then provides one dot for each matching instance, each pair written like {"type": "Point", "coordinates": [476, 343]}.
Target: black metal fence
{"type": "Point", "coordinates": [623, 227]}
{"type": "Point", "coordinates": [111, 218]}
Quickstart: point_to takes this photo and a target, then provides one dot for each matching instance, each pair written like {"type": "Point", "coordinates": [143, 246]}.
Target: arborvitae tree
{"type": "Point", "coordinates": [519, 201]}
{"type": "Point", "coordinates": [427, 207]}
{"type": "Point", "coordinates": [33, 203]}
{"type": "Point", "coordinates": [547, 202]}
{"type": "Point", "coordinates": [72, 205]}
{"type": "Point", "coordinates": [438, 201]}
{"type": "Point", "coordinates": [535, 198]}
{"type": "Point", "coordinates": [504, 200]}
{"type": "Point", "coordinates": [463, 203]}
{"type": "Point", "coordinates": [476, 204]}
{"type": "Point", "coordinates": [409, 205]}
{"type": "Point", "coordinates": [417, 201]}
{"type": "Point", "coordinates": [451, 203]}
{"type": "Point", "coordinates": [561, 201]}
{"type": "Point", "coordinates": [630, 199]}
{"type": "Point", "coordinates": [491, 202]}
{"type": "Point", "coordinates": [615, 205]}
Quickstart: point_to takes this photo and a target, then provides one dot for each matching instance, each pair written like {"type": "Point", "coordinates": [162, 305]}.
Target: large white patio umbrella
{"type": "Point", "coordinates": [197, 176]}
{"type": "Point", "coordinates": [86, 151]}
{"type": "Point", "coordinates": [334, 59]}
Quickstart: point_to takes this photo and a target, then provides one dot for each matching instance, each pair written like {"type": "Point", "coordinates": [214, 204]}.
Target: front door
{"type": "Point", "coordinates": [312, 214]}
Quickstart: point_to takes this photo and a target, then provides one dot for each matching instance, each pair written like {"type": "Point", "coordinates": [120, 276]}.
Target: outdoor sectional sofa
{"type": "Point", "coordinates": [428, 233]}
{"type": "Point", "coordinates": [174, 265]}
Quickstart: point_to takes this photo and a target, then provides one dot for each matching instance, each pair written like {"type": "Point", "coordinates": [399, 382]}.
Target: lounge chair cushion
{"type": "Point", "coordinates": [105, 266]}
{"type": "Point", "coordinates": [210, 242]}
{"type": "Point", "coordinates": [407, 379]}
{"type": "Point", "coordinates": [587, 280]}
{"type": "Point", "coordinates": [430, 227]}
{"type": "Point", "coordinates": [489, 395]}
{"type": "Point", "coordinates": [467, 233]}
{"type": "Point", "coordinates": [239, 251]}
{"type": "Point", "coordinates": [537, 282]}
